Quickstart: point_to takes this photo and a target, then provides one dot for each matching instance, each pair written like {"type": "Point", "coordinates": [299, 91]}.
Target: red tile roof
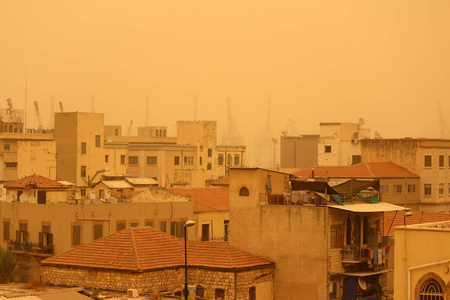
{"type": "Point", "coordinates": [416, 218]}
{"type": "Point", "coordinates": [362, 170]}
{"type": "Point", "coordinates": [206, 199]}
{"type": "Point", "coordinates": [145, 248]}
{"type": "Point", "coordinates": [222, 181]}
{"type": "Point", "coordinates": [36, 181]}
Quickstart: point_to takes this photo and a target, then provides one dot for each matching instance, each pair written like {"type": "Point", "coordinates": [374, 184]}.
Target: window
{"type": "Point", "coordinates": [441, 161]}
{"type": "Point", "coordinates": [431, 290]}
{"type": "Point", "coordinates": [98, 231]}
{"type": "Point", "coordinates": [97, 141]}
{"type": "Point", "coordinates": [397, 188]}
{"type": "Point", "coordinates": [176, 160]}
{"type": "Point", "coordinates": [411, 188]}
{"type": "Point", "coordinates": [134, 224]}
{"type": "Point", "coordinates": [11, 165]}
{"type": "Point", "coordinates": [152, 160]}
{"type": "Point", "coordinates": [327, 149]}
{"type": "Point", "coordinates": [189, 160]}
{"type": "Point", "coordinates": [83, 148]}
{"type": "Point", "coordinates": [22, 233]}
{"type": "Point", "coordinates": [149, 223]}
{"type": "Point", "coordinates": [348, 232]}
{"type": "Point", "coordinates": [236, 160]}
{"type": "Point", "coordinates": [83, 171]}
{"type": "Point", "coordinates": [427, 189]}
{"type": "Point", "coordinates": [219, 294]}
{"type": "Point", "coordinates": [120, 225]}
{"type": "Point", "coordinates": [209, 166]}
{"type": "Point", "coordinates": [205, 232]}
{"type": "Point", "coordinates": [244, 192]}
{"type": "Point", "coordinates": [122, 159]}
{"type": "Point", "coordinates": [101, 194]}
{"type": "Point", "coordinates": [133, 160]}
{"type": "Point", "coordinates": [384, 189]}
{"type": "Point", "coordinates": [366, 230]}
{"type": "Point", "coordinates": [177, 229]}
{"type": "Point", "coordinates": [441, 189]}
{"type": "Point", "coordinates": [337, 238]}
{"type": "Point", "coordinates": [6, 147]}
{"type": "Point", "coordinates": [6, 230]}
{"type": "Point", "coordinates": [76, 234]}
{"type": "Point", "coordinates": [427, 161]}
{"type": "Point", "coordinates": [252, 293]}
{"type": "Point", "coordinates": [106, 158]}
{"type": "Point", "coordinates": [83, 192]}
{"type": "Point", "coordinates": [225, 236]}
{"type": "Point", "coordinates": [163, 226]}
{"type": "Point", "coordinates": [356, 159]}
{"type": "Point", "coordinates": [209, 152]}
{"type": "Point", "coordinates": [116, 132]}
{"type": "Point", "coordinates": [220, 160]}
{"type": "Point", "coordinates": [45, 237]}
{"type": "Point", "coordinates": [201, 161]}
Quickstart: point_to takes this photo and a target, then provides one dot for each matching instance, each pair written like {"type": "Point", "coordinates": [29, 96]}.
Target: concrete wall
{"type": "Point", "coordinates": [422, 247]}
{"type": "Point", "coordinates": [36, 157]}
{"type": "Point", "coordinates": [299, 151]}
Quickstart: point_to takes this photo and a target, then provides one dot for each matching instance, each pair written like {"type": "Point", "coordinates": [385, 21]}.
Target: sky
{"type": "Point", "coordinates": [387, 62]}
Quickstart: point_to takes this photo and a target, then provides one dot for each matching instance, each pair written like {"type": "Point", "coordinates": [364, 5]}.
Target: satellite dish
{"type": "Point", "coordinates": [23, 198]}
{"type": "Point", "coordinates": [32, 199]}
{"type": "Point", "coordinates": [362, 283]}
{"type": "Point", "coordinates": [9, 198]}
{"type": "Point", "coordinates": [361, 122]}
{"type": "Point", "coordinates": [382, 280]}
{"type": "Point", "coordinates": [14, 196]}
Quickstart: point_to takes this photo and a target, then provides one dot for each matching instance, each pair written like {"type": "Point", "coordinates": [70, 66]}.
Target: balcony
{"type": "Point", "coordinates": [31, 248]}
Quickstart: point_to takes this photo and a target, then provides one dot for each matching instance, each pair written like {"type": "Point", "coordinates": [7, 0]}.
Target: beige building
{"type": "Point", "coordinates": [422, 262]}
{"type": "Point", "coordinates": [339, 143]}
{"type": "Point", "coordinates": [428, 158]}
{"type": "Point", "coordinates": [299, 151]}
{"type": "Point", "coordinates": [322, 250]}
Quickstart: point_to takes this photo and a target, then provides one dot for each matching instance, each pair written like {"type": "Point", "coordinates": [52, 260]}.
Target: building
{"type": "Point", "coordinates": [397, 184]}
{"type": "Point", "coordinates": [428, 158]}
{"type": "Point", "coordinates": [322, 249]}
{"type": "Point", "coordinates": [156, 264]}
{"type": "Point", "coordinates": [299, 152]}
{"type": "Point", "coordinates": [421, 261]}
{"type": "Point", "coordinates": [211, 209]}
{"type": "Point", "coordinates": [339, 143]}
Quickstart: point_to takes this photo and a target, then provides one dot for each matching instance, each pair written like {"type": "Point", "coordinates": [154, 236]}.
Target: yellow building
{"type": "Point", "coordinates": [422, 261]}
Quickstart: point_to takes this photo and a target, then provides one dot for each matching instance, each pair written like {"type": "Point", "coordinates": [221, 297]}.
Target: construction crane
{"type": "Point", "coordinates": [231, 136]}
{"type": "Point", "coordinates": [61, 106]}
{"type": "Point", "coordinates": [38, 117]}
{"type": "Point", "coordinates": [445, 131]}
{"type": "Point", "coordinates": [130, 129]}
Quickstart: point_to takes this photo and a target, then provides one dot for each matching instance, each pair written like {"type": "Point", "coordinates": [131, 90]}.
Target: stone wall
{"type": "Point", "coordinates": [163, 280]}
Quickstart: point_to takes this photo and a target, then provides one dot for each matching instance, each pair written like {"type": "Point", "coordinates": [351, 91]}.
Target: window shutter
{"type": "Point", "coordinates": [50, 240]}
{"type": "Point", "coordinates": [339, 238]}
{"type": "Point", "coordinates": [18, 239]}
{"type": "Point", "coordinates": [41, 239]}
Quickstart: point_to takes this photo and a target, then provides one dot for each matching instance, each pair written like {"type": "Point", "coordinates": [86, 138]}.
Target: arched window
{"type": "Point", "coordinates": [244, 192]}
{"type": "Point", "coordinates": [348, 232]}
{"type": "Point", "coordinates": [431, 290]}
{"type": "Point", "coordinates": [357, 230]}
{"type": "Point", "coordinates": [366, 231]}
{"type": "Point", "coordinates": [200, 291]}
{"type": "Point", "coordinates": [252, 293]}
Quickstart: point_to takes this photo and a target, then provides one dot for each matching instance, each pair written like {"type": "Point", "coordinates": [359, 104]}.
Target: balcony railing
{"type": "Point", "coordinates": [31, 247]}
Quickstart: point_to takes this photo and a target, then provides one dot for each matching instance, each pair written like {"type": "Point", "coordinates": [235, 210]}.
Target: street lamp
{"type": "Point", "coordinates": [189, 223]}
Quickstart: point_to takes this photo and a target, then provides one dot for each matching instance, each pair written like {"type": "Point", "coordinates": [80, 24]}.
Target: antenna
{"type": "Point", "coordinates": [61, 106]}
{"type": "Point", "coordinates": [52, 112]}
{"type": "Point", "coordinates": [25, 108]}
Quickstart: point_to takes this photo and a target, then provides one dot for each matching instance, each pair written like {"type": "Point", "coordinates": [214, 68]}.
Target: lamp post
{"type": "Point", "coordinates": [189, 223]}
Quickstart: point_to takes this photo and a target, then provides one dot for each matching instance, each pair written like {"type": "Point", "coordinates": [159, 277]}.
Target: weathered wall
{"type": "Point", "coordinates": [36, 157]}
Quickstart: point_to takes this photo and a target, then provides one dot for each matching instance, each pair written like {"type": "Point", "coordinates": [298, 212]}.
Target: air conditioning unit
{"type": "Point", "coordinates": [192, 292]}
{"type": "Point", "coordinates": [132, 293]}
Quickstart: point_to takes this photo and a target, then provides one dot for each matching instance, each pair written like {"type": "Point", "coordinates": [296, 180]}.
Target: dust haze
{"type": "Point", "coordinates": [319, 61]}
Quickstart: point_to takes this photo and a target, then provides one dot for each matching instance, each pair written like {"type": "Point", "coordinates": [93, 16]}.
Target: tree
{"type": "Point", "coordinates": [11, 270]}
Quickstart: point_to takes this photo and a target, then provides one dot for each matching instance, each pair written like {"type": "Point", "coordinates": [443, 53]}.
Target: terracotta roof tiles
{"type": "Point", "coordinates": [206, 199]}
{"type": "Point", "coordinates": [415, 218]}
{"type": "Point", "coordinates": [36, 181]}
{"type": "Point", "coordinates": [145, 248]}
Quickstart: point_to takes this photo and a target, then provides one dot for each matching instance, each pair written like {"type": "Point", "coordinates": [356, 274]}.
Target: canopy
{"type": "Point", "coordinates": [316, 186]}
{"type": "Point", "coordinates": [354, 186]}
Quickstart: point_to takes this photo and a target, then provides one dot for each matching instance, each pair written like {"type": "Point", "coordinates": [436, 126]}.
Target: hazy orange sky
{"type": "Point", "coordinates": [320, 61]}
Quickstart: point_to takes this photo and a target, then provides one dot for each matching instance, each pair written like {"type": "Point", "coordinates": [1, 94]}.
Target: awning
{"type": "Point", "coordinates": [354, 186]}
{"type": "Point", "coordinates": [316, 186]}
{"type": "Point", "coordinates": [368, 207]}
{"type": "Point", "coordinates": [364, 274]}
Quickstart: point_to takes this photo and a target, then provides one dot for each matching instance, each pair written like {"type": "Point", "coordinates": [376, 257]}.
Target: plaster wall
{"type": "Point", "coordinates": [36, 157]}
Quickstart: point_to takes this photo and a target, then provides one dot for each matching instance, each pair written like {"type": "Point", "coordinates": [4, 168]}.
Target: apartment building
{"type": "Point", "coordinates": [428, 158]}
{"type": "Point", "coordinates": [339, 143]}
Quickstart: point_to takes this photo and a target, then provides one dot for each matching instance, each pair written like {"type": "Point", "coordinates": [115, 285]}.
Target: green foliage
{"type": "Point", "coordinates": [11, 270]}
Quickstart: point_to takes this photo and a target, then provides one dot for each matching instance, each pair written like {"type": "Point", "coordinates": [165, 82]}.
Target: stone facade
{"type": "Point", "coordinates": [236, 284]}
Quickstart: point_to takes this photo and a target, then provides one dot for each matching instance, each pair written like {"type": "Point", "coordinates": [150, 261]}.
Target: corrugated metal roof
{"type": "Point", "coordinates": [142, 181]}
{"type": "Point", "coordinates": [117, 184]}
{"type": "Point", "coordinates": [369, 207]}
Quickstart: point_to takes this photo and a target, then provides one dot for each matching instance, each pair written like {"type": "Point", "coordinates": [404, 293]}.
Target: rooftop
{"type": "Point", "coordinates": [392, 219]}
{"type": "Point", "coordinates": [140, 249]}
{"type": "Point", "coordinates": [36, 181]}
{"type": "Point", "coordinates": [206, 199]}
